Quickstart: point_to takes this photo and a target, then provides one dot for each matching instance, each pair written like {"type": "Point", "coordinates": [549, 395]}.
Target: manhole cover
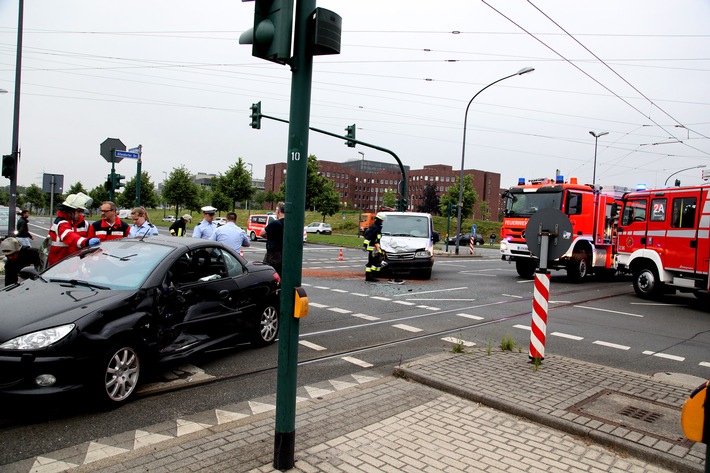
{"type": "Point", "coordinates": [634, 414]}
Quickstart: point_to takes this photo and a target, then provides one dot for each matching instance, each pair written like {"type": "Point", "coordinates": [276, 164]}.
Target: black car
{"type": "Point", "coordinates": [100, 317]}
{"type": "Point", "coordinates": [465, 239]}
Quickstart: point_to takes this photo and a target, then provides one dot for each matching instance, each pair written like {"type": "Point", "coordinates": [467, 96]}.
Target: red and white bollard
{"type": "Point", "coordinates": [470, 245]}
{"type": "Point", "coordinates": [541, 296]}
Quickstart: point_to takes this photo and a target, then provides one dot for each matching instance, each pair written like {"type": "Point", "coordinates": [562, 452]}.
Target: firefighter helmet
{"type": "Point", "coordinates": [79, 201]}
{"type": "Point", "coordinates": [380, 216]}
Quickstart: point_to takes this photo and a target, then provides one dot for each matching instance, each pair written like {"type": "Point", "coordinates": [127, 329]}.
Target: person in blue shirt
{"type": "Point", "coordinates": [141, 226]}
{"type": "Point", "coordinates": [206, 227]}
{"type": "Point", "coordinates": [230, 234]}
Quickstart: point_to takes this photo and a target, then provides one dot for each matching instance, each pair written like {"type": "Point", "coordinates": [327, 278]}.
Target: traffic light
{"type": "Point", "coordinates": [117, 181]}
{"type": "Point", "coordinates": [677, 182]}
{"type": "Point", "coordinates": [350, 130]}
{"type": "Point", "coordinates": [401, 204]}
{"type": "Point", "coordinates": [271, 35]}
{"type": "Point", "coordinates": [256, 115]}
{"type": "Point", "coordinates": [108, 185]}
{"type": "Point", "coordinates": [8, 166]}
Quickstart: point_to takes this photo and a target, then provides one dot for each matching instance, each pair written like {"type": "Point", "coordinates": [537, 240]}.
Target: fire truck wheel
{"type": "Point", "coordinates": [646, 283]}
{"type": "Point", "coordinates": [578, 267]}
{"type": "Point", "coordinates": [526, 268]}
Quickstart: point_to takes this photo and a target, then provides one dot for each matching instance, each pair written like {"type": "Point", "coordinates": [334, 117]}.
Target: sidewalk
{"type": "Point", "coordinates": [472, 412]}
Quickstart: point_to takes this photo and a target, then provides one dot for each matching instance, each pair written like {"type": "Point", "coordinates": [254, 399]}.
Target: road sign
{"type": "Point", "coordinates": [108, 146]}
{"type": "Point", "coordinates": [552, 224]}
{"type": "Point", "coordinates": [137, 149]}
{"type": "Point", "coordinates": [126, 154]}
{"type": "Point", "coordinates": [53, 183]}
{"type": "Point", "coordinates": [473, 229]}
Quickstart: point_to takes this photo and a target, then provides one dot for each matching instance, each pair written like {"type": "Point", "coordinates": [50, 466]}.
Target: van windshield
{"type": "Point", "coordinates": [406, 225]}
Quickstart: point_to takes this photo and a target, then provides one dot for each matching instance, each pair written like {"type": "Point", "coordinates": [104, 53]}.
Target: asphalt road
{"type": "Point", "coordinates": [353, 324]}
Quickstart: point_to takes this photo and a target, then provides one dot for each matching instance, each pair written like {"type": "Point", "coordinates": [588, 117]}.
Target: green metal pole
{"type": "Point", "coordinates": [113, 175]}
{"type": "Point", "coordinates": [297, 159]}
{"type": "Point", "coordinates": [138, 177]}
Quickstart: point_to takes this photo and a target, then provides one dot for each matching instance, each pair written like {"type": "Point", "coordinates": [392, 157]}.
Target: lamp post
{"type": "Point", "coordinates": [251, 179]}
{"type": "Point", "coordinates": [522, 71]}
{"type": "Point", "coordinates": [165, 178]}
{"type": "Point", "coordinates": [596, 135]}
{"type": "Point", "coordinates": [362, 189]}
{"type": "Point", "coordinates": [686, 169]}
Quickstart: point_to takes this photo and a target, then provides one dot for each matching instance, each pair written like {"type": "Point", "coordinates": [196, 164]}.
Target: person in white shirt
{"type": "Point", "coordinates": [206, 227]}
{"type": "Point", "coordinates": [141, 226]}
{"type": "Point", "coordinates": [230, 234]}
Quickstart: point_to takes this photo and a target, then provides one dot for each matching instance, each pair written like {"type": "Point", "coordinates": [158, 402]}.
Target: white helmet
{"type": "Point", "coordinates": [78, 201]}
{"type": "Point", "coordinates": [380, 216]}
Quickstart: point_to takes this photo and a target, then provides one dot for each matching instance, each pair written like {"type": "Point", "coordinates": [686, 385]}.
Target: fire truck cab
{"type": "Point", "coordinates": [663, 240]}
{"type": "Point", "coordinates": [589, 212]}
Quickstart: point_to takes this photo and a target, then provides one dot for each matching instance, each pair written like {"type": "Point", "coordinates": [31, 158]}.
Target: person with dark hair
{"type": "Point", "coordinates": [18, 257]}
{"type": "Point", "coordinates": [230, 234]}
{"type": "Point", "coordinates": [69, 231]}
{"type": "Point", "coordinates": [23, 228]}
{"type": "Point", "coordinates": [110, 227]}
{"type": "Point", "coordinates": [206, 227]}
{"type": "Point", "coordinates": [179, 226]}
{"type": "Point", "coordinates": [274, 234]}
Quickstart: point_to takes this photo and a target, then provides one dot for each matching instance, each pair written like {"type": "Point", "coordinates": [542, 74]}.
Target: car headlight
{"type": "Point", "coordinates": [422, 254]}
{"type": "Point", "coordinates": [504, 245]}
{"type": "Point", "coordinates": [38, 340]}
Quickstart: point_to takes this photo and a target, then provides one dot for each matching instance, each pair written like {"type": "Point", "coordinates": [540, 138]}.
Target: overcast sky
{"type": "Point", "coordinates": [170, 75]}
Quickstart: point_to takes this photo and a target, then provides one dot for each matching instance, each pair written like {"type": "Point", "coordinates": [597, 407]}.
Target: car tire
{"type": "Point", "coordinates": [266, 325]}
{"type": "Point", "coordinates": [118, 374]}
{"type": "Point", "coordinates": [426, 273]}
{"type": "Point", "coordinates": [578, 267]}
{"type": "Point", "coordinates": [525, 268]}
{"type": "Point", "coordinates": [646, 283]}
{"type": "Point", "coordinates": [252, 236]}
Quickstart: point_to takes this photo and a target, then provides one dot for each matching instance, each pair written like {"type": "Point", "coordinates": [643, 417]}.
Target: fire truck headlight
{"type": "Point", "coordinates": [504, 245]}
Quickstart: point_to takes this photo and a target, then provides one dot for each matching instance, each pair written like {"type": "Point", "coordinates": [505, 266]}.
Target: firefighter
{"type": "Point", "coordinates": [375, 255]}
{"type": "Point", "coordinates": [69, 231]}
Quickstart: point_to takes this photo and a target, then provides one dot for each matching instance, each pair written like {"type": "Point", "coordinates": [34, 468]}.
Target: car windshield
{"type": "Point", "coordinates": [113, 265]}
{"type": "Point", "coordinates": [524, 204]}
{"type": "Point", "coordinates": [405, 225]}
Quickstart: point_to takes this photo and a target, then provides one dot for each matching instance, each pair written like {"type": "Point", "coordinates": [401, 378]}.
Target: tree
{"type": "Point", "coordinates": [389, 199]}
{"type": "Point", "coordinates": [35, 197]}
{"type": "Point", "coordinates": [180, 191]}
{"type": "Point", "coordinates": [328, 201]}
{"type": "Point", "coordinates": [470, 196]}
{"type": "Point", "coordinates": [76, 188]}
{"type": "Point", "coordinates": [99, 194]}
{"type": "Point", "coordinates": [149, 198]}
{"type": "Point", "coordinates": [431, 201]}
{"type": "Point", "coordinates": [236, 183]}
{"type": "Point", "coordinates": [315, 183]}
{"type": "Point", "coordinates": [485, 210]}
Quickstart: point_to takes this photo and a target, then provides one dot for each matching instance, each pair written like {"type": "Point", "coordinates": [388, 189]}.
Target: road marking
{"type": "Point", "coordinates": [607, 310]}
{"type": "Point", "coordinates": [525, 281]}
{"type": "Point", "coordinates": [470, 316]}
{"type": "Point", "coordinates": [358, 294]}
{"type": "Point", "coordinates": [366, 317]}
{"type": "Point", "coordinates": [380, 298]}
{"type": "Point", "coordinates": [340, 311]}
{"type": "Point", "coordinates": [564, 335]}
{"type": "Point", "coordinates": [408, 328]}
{"type": "Point", "coordinates": [404, 303]}
{"type": "Point", "coordinates": [704, 363]}
{"type": "Point", "coordinates": [611, 345]}
{"type": "Point", "coordinates": [523, 327]}
{"type": "Point", "coordinates": [458, 341]}
{"type": "Point", "coordinates": [310, 345]}
{"type": "Point", "coordinates": [339, 290]}
{"type": "Point", "coordinates": [431, 292]}
{"type": "Point", "coordinates": [659, 304]}
{"type": "Point", "coordinates": [477, 273]}
{"type": "Point", "coordinates": [512, 295]}
{"type": "Point", "coordinates": [315, 304]}
{"type": "Point", "coordinates": [321, 287]}
{"type": "Point", "coordinates": [664, 355]}
{"type": "Point", "coordinates": [355, 361]}
{"type": "Point", "coordinates": [467, 300]}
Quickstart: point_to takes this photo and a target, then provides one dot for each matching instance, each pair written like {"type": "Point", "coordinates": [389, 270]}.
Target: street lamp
{"type": "Point", "coordinates": [165, 178]}
{"type": "Point", "coordinates": [686, 169]}
{"type": "Point", "coordinates": [596, 135]}
{"type": "Point", "coordinates": [522, 71]}
{"type": "Point", "coordinates": [362, 189]}
{"type": "Point", "coordinates": [251, 182]}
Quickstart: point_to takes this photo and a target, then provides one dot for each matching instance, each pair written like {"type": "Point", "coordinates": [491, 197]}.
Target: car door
{"type": "Point", "coordinates": [632, 230]}
{"type": "Point", "coordinates": [682, 239]}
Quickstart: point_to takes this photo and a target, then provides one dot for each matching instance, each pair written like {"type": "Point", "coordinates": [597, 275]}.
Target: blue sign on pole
{"type": "Point", "coordinates": [126, 154]}
{"type": "Point", "coordinates": [473, 228]}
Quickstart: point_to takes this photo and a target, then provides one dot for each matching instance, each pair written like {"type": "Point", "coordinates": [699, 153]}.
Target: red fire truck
{"type": "Point", "coordinates": [664, 240]}
{"type": "Point", "coordinates": [589, 211]}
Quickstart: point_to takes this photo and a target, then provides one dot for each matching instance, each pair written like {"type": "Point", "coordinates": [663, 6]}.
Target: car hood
{"type": "Point", "coordinates": [392, 244]}
{"type": "Point", "coordinates": [36, 305]}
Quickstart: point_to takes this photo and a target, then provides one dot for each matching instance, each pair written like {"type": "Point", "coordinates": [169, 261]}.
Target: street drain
{"type": "Point", "coordinates": [640, 414]}
{"type": "Point", "coordinates": [633, 413]}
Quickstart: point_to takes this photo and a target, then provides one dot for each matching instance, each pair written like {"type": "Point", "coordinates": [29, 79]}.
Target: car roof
{"type": "Point", "coordinates": [187, 243]}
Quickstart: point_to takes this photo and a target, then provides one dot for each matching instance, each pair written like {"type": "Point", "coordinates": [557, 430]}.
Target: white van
{"type": "Point", "coordinates": [124, 214]}
{"type": "Point", "coordinates": [408, 242]}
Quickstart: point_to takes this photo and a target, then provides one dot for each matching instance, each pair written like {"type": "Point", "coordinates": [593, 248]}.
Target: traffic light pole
{"type": "Point", "coordinates": [368, 145]}
{"type": "Point", "coordinates": [16, 125]}
{"type": "Point", "coordinates": [297, 167]}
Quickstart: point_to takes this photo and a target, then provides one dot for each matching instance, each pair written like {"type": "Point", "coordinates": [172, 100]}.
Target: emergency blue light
{"type": "Point", "coordinates": [559, 179]}
{"type": "Point", "coordinates": [521, 181]}
{"type": "Point", "coordinates": [641, 187]}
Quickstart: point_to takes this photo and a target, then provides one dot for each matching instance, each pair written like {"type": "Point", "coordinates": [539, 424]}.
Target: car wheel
{"type": "Point", "coordinates": [646, 283]}
{"type": "Point", "coordinates": [578, 267]}
{"type": "Point", "coordinates": [252, 236]}
{"type": "Point", "coordinates": [266, 327]}
{"type": "Point", "coordinates": [426, 273]}
{"type": "Point", "coordinates": [525, 268]}
{"type": "Point", "coordinates": [119, 375]}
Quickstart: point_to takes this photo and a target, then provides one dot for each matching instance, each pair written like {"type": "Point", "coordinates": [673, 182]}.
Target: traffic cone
{"type": "Point", "coordinates": [340, 255]}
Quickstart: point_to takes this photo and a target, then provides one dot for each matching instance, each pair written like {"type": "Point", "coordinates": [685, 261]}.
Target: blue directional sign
{"type": "Point", "coordinates": [126, 154]}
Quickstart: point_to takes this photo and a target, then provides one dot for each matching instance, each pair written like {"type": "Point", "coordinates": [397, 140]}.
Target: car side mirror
{"type": "Point", "coordinates": [435, 237]}
{"type": "Point", "coordinates": [29, 272]}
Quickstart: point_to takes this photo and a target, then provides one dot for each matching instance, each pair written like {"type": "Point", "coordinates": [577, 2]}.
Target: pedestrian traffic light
{"type": "Point", "coordinates": [350, 130]}
{"type": "Point", "coordinates": [271, 35]}
{"type": "Point", "coordinates": [8, 166]}
{"type": "Point", "coordinates": [256, 115]}
{"type": "Point", "coordinates": [117, 184]}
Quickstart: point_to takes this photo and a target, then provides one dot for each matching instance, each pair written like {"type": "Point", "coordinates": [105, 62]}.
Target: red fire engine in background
{"type": "Point", "coordinates": [589, 211]}
{"type": "Point", "coordinates": [664, 240]}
